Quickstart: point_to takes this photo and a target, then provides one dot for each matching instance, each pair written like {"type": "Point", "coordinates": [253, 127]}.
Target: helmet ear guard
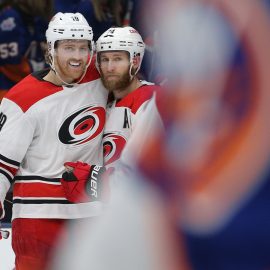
{"type": "Point", "coordinates": [121, 39]}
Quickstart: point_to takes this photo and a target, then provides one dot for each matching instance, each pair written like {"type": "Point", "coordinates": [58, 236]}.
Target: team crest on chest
{"type": "Point", "coordinates": [113, 145]}
{"type": "Point", "coordinates": [82, 126]}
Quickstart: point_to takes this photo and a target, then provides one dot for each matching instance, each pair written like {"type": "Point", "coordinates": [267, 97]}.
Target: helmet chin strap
{"type": "Point", "coordinates": [71, 84]}
{"type": "Point", "coordinates": [130, 69]}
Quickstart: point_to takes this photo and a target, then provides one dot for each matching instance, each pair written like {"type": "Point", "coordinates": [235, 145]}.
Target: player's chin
{"type": "Point", "coordinates": [112, 77]}
{"type": "Point", "coordinates": [110, 85]}
{"type": "Point", "coordinates": [76, 74]}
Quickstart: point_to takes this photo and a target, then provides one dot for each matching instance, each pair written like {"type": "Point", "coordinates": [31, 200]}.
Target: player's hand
{"type": "Point", "coordinates": [82, 182]}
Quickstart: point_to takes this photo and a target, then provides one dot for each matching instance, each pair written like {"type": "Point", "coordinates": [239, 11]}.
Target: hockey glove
{"type": "Point", "coordinates": [82, 182]}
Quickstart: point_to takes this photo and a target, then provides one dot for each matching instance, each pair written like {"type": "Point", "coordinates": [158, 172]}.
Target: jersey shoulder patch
{"type": "Point", "coordinates": [30, 90]}
{"type": "Point", "coordinates": [135, 99]}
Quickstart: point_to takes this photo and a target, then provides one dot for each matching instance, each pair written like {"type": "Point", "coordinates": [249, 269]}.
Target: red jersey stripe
{"type": "Point", "coordinates": [38, 190]}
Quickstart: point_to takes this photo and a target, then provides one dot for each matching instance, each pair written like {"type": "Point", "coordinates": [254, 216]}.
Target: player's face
{"type": "Point", "coordinates": [71, 58]}
{"type": "Point", "coordinates": [114, 69]}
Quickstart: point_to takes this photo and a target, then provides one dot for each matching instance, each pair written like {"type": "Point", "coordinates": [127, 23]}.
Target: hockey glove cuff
{"type": "Point", "coordinates": [82, 182]}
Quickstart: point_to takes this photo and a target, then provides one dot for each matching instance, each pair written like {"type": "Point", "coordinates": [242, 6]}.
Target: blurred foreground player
{"type": "Point", "coordinates": [214, 155]}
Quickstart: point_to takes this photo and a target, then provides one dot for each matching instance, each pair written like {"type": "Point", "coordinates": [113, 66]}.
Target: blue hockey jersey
{"type": "Point", "coordinates": [20, 46]}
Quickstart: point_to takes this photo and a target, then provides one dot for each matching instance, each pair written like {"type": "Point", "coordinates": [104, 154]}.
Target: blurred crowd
{"type": "Point", "coordinates": [23, 24]}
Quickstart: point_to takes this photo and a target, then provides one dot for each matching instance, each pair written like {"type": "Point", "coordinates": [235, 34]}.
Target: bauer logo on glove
{"type": "Point", "coordinates": [82, 182]}
{"type": "Point", "coordinates": [92, 183]}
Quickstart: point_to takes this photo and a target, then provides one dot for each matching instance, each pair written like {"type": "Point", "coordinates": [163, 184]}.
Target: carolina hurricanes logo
{"type": "Point", "coordinates": [82, 126]}
{"type": "Point", "coordinates": [113, 145]}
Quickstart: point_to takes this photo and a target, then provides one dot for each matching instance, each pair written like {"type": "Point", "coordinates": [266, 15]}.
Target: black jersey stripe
{"type": "Point", "coordinates": [6, 175]}
{"type": "Point", "coordinates": [41, 201]}
{"type": "Point", "coordinates": [36, 177]}
{"type": "Point", "coordinates": [10, 161]}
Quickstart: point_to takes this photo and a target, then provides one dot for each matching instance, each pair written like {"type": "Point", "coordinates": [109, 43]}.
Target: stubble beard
{"type": "Point", "coordinates": [67, 73]}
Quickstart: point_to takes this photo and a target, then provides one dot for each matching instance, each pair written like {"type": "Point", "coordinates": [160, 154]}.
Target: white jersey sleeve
{"type": "Point", "coordinates": [16, 135]}
{"type": "Point", "coordinates": [146, 123]}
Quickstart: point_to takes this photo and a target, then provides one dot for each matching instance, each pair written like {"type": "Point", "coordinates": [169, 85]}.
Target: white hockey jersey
{"type": "Point", "coordinates": [121, 120]}
{"type": "Point", "coordinates": [41, 127]}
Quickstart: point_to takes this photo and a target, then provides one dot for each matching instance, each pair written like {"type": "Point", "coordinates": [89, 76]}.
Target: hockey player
{"type": "Point", "coordinates": [130, 118]}
{"type": "Point", "coordinates": [49, 117]}
{"type": "Point", "coordinates": [22, 39]}
{"type": "Point", "coordinates": [120, 52]}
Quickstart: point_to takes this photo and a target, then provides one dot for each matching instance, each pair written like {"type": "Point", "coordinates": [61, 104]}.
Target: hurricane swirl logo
{"type": "Point", "coordinates": [113, 145]}
{"type": "Point", "coordinates": [82, 126]}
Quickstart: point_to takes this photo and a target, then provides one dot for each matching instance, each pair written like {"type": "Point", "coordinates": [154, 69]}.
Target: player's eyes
{"type": "Point", "coordinates": [84, 49]}
{"type": "Point", "coordinates": [69, 49]}
{"type": "Point", "coordinates": [104, 60]}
